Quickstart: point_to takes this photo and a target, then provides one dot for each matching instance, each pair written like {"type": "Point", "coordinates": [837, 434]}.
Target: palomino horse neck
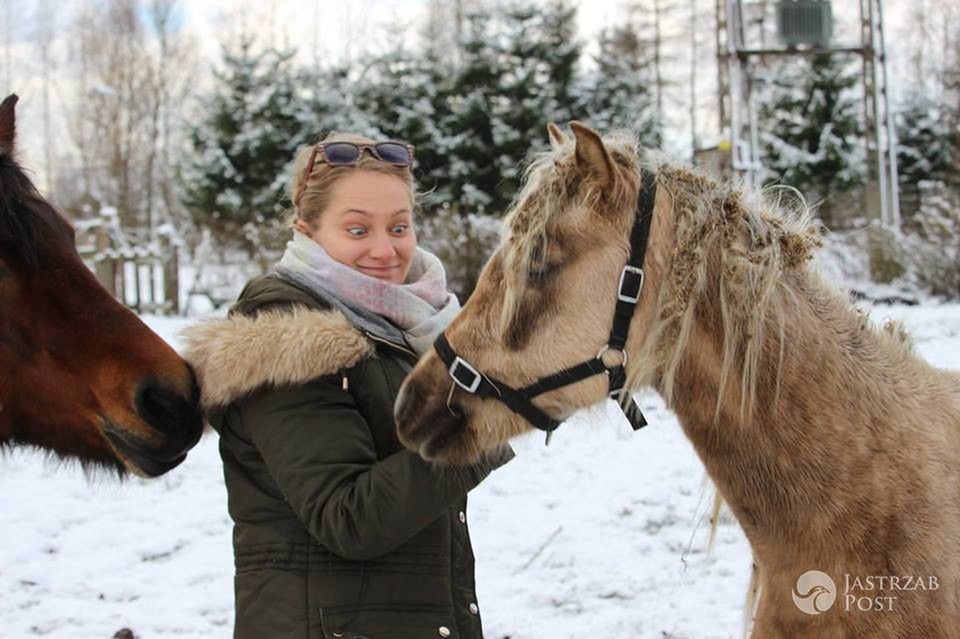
{"type": "Point", "coordinates": [847, 465]}
{"type": "Point", "coordinates": [80, 374]}
{"type": "Point", "coordinates": [835, 446]}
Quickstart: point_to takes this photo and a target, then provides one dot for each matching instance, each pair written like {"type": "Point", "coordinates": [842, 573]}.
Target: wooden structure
{"type": "Point", "coordinates": [143, 276]}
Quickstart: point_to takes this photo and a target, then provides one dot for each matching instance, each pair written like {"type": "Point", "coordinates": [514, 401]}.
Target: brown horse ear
{"type": "Point", "coordinates": [557, 137]}
{"type": "Point", "coordinates": [8, 125]}
{"type": "Point", "coordinates": [592, 155]}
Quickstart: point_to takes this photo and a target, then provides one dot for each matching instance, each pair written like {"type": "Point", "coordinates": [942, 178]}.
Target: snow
{"type": "Point", "coordinates": [603, 533]}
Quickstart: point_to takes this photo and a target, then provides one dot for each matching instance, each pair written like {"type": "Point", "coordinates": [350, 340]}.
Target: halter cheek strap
{"type": "Point", "coordinates": [471, 380]}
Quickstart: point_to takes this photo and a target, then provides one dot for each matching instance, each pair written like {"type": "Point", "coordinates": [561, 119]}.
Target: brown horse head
{"type": "Point", "coordinates": [80, 374]}
{"type": "Point", "coordinates": [545, 300]}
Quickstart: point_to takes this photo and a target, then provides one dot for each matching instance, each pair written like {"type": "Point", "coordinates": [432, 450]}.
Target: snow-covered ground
{"type": "Point", "coordinates": [602, 534]}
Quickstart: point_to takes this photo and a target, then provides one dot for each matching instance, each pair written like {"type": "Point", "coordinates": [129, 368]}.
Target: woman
{"type": "Point", "coordinates": [339, 531]}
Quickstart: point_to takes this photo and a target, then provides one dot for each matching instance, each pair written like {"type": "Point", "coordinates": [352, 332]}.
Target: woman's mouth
{"type": "Point", "coordinates": [380, 271]}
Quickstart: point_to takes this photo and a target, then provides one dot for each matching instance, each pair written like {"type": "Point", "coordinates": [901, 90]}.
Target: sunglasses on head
{"type": "Point", "coordinates": [349, 153]}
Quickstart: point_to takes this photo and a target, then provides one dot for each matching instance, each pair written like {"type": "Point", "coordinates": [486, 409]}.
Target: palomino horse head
{"type": "Point", "coordinates": [545, 300]}
{"type": "Point", "coordinates": [80, 374]}
{"type": "Point", "coordinates": [714, 267]}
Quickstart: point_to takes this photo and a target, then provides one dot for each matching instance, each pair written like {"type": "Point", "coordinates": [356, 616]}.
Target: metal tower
{"type": "Point", "coordinates": [741, 59]}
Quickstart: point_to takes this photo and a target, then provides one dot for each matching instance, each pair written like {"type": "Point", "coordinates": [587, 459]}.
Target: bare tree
{"type": "Point", "coordinates": [123, 122]}
{"type": "Point", "coordinates": [171, 82]}
{"type": "Point", "coordinates": [45, 28]}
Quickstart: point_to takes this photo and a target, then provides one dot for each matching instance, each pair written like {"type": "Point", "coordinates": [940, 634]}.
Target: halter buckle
{"type": "Point", "coordinates": [630, 296]}
{"type": "Point", "coordinates": [456, 367]}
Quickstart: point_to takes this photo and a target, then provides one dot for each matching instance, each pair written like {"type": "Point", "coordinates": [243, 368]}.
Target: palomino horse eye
{"type": "Point", "coordinates": [540, 272]}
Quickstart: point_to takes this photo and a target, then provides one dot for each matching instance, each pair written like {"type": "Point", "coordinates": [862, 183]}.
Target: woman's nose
{"type": "Point", "coordinates": [383, 248]}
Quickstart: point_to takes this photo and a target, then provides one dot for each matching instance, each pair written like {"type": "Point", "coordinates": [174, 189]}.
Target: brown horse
{"type": "Point", "coordinates": [836, 447]}
{"type": "Point", "coordinates": [80, 374]}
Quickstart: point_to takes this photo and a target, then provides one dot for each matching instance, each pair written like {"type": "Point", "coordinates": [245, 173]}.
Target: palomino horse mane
{"type": "Point", "coordinates": [549, 181]}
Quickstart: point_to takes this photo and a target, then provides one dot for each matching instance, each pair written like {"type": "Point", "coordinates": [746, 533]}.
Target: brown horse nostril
{"type": "Point", "coordinates": [166, 409]}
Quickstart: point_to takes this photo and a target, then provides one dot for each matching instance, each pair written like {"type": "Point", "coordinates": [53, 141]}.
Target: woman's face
{"type": "Point", "coordinates": [368, 225]}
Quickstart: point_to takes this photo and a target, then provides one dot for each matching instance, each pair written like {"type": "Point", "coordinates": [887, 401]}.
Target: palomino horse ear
{"type": "Point", "coordinates": [8, 126]}
{"type": "Point", "coordinates": [592, 155]}
{"type": "Point", "coordinates": [557, 137]}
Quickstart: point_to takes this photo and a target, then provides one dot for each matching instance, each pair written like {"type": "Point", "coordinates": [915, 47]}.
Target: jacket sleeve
{"type": "Point", "coordinates": [320, 452]}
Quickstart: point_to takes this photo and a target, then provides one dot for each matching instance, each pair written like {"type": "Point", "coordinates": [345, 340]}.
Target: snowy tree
{"type": "Point", "coordinates": [620, 94]}
{"type": "Point", "coordinates": [924, 148]}
{"type": "Point", "coordinates": [811, 133]}
{"type": "Point", "coordinates": [539, 57]}
{"type": "Point", "coordinates": [405, 93]}
{"type": "Point", "coordinates": [244, 144]}
{"type": "Point", "coordinates": [329, 103]}
{"type": "Point", "coordinates": [472, 123]}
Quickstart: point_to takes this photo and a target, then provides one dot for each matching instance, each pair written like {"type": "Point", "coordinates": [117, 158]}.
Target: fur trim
{"type": "Point", "coordinates": [235, 356]}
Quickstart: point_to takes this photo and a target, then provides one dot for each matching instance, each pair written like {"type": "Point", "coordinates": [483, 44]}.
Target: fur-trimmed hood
{"type": "Point", "coordinates": [233, 357]}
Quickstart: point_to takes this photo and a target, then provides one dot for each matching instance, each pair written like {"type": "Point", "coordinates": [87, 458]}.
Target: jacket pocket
{"type": "Point", "coordinates": [270, 603]}
{"type": "Point", "coordinates": [407, 622]}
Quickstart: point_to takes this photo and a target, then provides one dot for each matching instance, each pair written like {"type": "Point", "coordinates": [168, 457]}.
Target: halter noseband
{"type": "Point", "coordinates": [471, 380]}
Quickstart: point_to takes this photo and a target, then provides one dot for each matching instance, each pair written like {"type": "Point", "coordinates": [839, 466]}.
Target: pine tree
{"type": "Point", "coordinates": [473, 177]}
{"type": "Point", "coordinates": [539, 58]}
{"type": "Point", "coordinates": [620, 95]}
{"type": "Point", "coordinates": [331, 103]}
{"type": "Point", "coordinates": [250, 129]}
{"type": "Point", "coordinates": [812, 136]}
{"type": "Point", "coordinates": [405, 94]}
{"type": "Point", "coordinates": [924, 149]}
{"type": "Point", "coordinates": [561, 53]}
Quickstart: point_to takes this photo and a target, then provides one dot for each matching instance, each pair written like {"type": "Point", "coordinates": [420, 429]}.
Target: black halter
{"type": "Point", "coordinates": [473, 381]}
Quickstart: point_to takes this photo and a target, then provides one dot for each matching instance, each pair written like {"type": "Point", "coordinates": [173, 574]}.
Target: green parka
{"type": "Point", "coordinates": [339, 532]}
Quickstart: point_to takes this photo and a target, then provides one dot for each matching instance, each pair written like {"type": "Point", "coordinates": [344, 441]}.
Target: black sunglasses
{"type": "Point", "coordinates": [348, 153]}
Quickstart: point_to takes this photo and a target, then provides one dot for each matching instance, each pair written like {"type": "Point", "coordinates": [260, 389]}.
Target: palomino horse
{"type": "Point", "coordinates": [836, 447]}
{"type": "Point", "coordinates": [80, 374]}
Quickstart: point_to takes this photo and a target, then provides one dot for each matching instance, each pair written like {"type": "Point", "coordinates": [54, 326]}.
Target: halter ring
{"type": "Point", "coordinates": [608, 348]}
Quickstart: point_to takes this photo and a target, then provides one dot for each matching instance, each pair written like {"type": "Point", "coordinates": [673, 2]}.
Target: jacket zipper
{"type": "Point", "coordinates": [399, 347]}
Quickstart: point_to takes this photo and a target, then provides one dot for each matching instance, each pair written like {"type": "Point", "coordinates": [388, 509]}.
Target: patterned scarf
{"type": "Point", "coordinates": [421, 307]}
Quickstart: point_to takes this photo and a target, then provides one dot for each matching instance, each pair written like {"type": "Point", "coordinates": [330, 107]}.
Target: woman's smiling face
{"type": "Point", "coordinates": [368, 225]}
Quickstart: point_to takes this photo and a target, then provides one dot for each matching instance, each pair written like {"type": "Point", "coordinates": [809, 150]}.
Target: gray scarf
{"type": "Point", "coordinates": [421, 307]}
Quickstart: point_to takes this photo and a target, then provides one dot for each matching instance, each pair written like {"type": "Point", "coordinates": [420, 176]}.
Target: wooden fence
{"type": "Point", "coordinates": [142, 275]}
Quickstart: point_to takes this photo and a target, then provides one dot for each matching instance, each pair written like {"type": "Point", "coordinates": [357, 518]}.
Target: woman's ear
{"type": "Point", "coordinates": [302, 226]}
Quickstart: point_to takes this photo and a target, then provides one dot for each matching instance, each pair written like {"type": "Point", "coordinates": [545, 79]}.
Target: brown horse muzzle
{"type": "Point", "coordinates": [175, 419]}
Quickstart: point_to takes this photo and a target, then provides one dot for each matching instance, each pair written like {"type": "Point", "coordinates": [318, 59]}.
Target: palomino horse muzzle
{"type": "Point", "coordinates": [471, 380]}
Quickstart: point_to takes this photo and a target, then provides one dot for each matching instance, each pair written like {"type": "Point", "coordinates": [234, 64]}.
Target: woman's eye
{"type": "Point", "coordinates": [357, 231]}
{"type": "Point", "coordinates": [400, 228]}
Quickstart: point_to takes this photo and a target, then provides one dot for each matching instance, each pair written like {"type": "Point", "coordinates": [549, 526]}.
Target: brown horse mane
{"type": "Point", "coordinates": [22, 212]}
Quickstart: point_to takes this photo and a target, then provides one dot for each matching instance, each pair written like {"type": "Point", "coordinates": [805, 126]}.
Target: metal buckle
{"type": "Point", "coordinates": [623, 297]}
{"type": "Point", "coordinates": [473, 386]}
